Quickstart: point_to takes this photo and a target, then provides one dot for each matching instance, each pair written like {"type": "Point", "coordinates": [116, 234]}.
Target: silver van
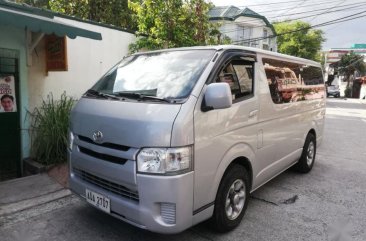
{"type": "Point", "coordinates": [168, 139]}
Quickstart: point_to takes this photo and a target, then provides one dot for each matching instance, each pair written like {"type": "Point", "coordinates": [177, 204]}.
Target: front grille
{"type": "Point", "coordinates": [105, 157]}
{"type": "Point", "coordinates": [107, 185]}
{"type": "Point", "coordinates": [105, 144]}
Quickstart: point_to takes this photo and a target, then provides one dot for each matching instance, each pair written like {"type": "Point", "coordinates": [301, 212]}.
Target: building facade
{"type": "Point", "coordinates": [244, 27]}
{"type": "Point", "coordinates": [42, 52]}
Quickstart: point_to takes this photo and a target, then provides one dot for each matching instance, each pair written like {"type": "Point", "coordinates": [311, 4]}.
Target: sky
{"type": "Point", "coordinates": [338, 35]}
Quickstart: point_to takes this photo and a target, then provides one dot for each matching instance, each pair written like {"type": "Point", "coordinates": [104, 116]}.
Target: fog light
{"type": "Point", "coordinates": [167, 212]}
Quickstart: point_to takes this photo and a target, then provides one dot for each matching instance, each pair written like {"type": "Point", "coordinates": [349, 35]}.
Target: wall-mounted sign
{"type": "Point", "coordinates": [7, 94]}
{"type": "Point", "coordinates": [56, 53]}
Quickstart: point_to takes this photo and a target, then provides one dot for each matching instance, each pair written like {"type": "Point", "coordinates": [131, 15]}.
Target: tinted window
{"type": "Point", "coordinates": [239, 75]}
{"type": "Point", "coordinates": [291, 82]}
{"type": "Point", "coordinates": [170, 74]}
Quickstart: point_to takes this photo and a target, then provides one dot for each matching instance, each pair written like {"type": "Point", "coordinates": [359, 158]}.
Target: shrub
{"type": "Point", "coordinates": [49, 126]}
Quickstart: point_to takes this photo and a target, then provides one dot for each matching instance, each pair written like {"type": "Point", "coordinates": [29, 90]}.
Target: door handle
{"type": "Point", "coordinates": [253, 113]}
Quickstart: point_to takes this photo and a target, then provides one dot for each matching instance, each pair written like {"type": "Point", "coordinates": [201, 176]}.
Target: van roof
{"type": "Point", "coordinates": [238, 47]}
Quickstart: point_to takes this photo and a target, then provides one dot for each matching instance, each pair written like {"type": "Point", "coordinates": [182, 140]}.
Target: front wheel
{"type": "Point", "coordinates": [306, 161]}
{"type": "Point", "coordinates": [231, 199]}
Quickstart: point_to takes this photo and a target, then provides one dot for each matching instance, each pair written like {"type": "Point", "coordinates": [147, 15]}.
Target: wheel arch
{"type": "Point", "coordinates": [240, 154]}
{"type": "Point", "coordinates": [244, 162]}
{"type": "Point", "coordinates": [311, 131]}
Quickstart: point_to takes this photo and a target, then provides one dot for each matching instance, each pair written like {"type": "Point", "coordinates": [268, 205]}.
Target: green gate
{"type": "Point", "coordinates": [9, 115]}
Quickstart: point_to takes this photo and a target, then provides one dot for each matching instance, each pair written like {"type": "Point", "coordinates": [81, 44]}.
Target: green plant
{"type": "Point", "coordinates": [49, 125]}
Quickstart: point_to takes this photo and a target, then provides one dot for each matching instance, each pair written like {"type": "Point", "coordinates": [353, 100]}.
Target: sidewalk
{"type": "Point", "coordinates": [28, 192]}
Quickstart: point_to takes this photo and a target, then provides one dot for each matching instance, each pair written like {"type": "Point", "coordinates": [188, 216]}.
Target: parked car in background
{"type": "Point", "coordinates": [333, 90]}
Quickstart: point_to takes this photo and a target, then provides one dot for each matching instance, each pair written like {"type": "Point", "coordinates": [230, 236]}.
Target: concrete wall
{"type": "Point", "coordinates": [88, 60]}
{"type": "Point", "coordinates": [14, 39]}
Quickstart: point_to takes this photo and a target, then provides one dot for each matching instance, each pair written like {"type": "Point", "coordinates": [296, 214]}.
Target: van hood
{"type": "Point", "coordinates": [132, 124]}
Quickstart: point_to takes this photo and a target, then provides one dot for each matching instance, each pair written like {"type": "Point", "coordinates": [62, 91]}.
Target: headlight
{"type": "Point", "coordinates": [165, 160]}
{"type": "Point", "coordinates": [71, 140]}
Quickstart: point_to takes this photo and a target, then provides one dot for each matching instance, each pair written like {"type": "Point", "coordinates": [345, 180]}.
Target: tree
{"type": "Point", "coordinates": [298, 39]}
{"type": "Point", "coordinates": [172, 23]}
{"type": "Point", "coordinates": [348, 66]}
{"type": "Point", "coordinates": [115, 12]}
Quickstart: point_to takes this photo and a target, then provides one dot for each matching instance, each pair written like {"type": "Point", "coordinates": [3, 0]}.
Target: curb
{"type": "Point", "coordinates": [32, 167]}
{"type": "Point", "coordinates": [29, 203]}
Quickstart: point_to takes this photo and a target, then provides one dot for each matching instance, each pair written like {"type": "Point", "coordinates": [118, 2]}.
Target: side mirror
{"type": "Point", "coordinates": [217, 96]}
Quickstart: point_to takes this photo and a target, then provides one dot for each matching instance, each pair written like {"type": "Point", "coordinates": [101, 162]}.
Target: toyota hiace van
{"type": "Point", "coordinates": [168, 139]}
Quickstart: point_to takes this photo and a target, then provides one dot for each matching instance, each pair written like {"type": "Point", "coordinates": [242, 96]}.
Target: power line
{"type": "Point", "coordinates": [303, 6]}
{"type": "Point", "coordinates": [335, 21]}
{"type": "Point", "coordinates": [297, 30]}
{"type": "Point", "coordinates": [346, 5]}
{"type": "Point", "coordinates": [292, 8]}
{"type": "Point", "coordinates": [262, 4]}
{"type": "Point", "coordinates": [292, 19]}
{"type": "Point", "coordinates": [325, 11]}
{"type": "Point", "coordinates": [353, 5]}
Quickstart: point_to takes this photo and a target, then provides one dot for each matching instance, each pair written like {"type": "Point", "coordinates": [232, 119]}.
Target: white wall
{"type": "Point", "coordinates": [232, 29]}
{"type": "Point", "coordinates": [88, 60]}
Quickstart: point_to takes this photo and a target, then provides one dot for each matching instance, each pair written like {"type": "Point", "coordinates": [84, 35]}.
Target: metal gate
{"type": "Point", "coordinates": [9, 115]}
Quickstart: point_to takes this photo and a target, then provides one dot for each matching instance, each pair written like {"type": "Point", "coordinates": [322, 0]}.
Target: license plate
{"type": "Point", "coordinates": [98, 200]}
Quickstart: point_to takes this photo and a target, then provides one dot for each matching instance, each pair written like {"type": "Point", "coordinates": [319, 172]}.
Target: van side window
{"type": "Point", "coordinates": [292, 82]}
{"type": "Point", "coordinates": [239, 75]}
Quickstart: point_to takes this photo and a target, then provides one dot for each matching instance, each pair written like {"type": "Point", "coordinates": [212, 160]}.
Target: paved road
{"type": "Point", "coordinates": [330, 202]}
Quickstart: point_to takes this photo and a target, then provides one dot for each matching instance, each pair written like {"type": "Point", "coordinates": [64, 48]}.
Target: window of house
{"type": "Point", "coordinates": [244, 35]}
{"type": "Point", "coordinates": [265, 36]}
{"type": "Point", "coordinates": [254, 43]}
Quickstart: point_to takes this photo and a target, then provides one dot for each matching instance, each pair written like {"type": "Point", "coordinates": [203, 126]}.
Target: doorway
{"type": "Point", "coordinates": [10, 163]}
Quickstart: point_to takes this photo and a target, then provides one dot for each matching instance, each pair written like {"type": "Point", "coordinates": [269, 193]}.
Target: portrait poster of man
{"type": "Point", "coordinates": [7, 94]}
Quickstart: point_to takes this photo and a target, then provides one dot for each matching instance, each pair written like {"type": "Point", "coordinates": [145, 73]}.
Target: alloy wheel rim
{"type": "Point", "coordinates": [235, 199]}
{"type": "Point", "coordinates": [310, 154]}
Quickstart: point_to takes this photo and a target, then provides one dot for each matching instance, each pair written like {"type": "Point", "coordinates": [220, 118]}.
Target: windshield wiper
{"type": "Point", "coordinates": [139, 96]}
{"type": "Point", "coordinates": [100, 94]}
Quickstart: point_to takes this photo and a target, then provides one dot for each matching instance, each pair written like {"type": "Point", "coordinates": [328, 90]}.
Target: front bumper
{"type": "Point", "coordinates": [165, 203]}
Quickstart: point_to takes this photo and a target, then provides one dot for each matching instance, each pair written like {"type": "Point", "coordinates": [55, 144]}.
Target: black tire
{"type": "Point", "coordinates": [304, 165]}
{"type": "Point", "coordinates": [233, 177]}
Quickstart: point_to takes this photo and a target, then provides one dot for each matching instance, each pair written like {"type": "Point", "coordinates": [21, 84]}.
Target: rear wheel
{"type": "Point", "coordinates": [231, 199]}
{"type": "Point", "coordinates": [306, 161]}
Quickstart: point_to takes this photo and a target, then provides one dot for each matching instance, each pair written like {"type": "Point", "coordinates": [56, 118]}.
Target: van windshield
{"type": "Point", "coordinates": [163, 75]}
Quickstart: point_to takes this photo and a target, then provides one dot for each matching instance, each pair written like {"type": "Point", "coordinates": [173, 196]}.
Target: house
{"type": "Point", "coordinates": [244, 27]}
{"type": "Point", "coordinates": [43, 52]}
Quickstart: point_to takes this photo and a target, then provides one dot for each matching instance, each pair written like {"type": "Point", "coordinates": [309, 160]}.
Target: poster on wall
{"type": "Point", "coordinates": [56, 54]}
{"type": "Point", "coordinates": [7, 94]}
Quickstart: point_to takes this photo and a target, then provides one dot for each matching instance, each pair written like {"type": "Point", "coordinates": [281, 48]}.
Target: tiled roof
{"type": "Point", "coordinates": [231, 13]}
{"type": "Point", "coordinates": [248, 11]}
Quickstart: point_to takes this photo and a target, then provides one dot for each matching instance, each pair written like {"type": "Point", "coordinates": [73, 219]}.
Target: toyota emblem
{"type": "Point", "coordinates": [98, 137]}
